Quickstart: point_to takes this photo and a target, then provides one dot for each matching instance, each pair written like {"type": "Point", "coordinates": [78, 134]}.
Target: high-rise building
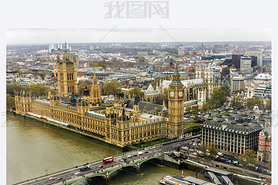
{"type": "Point", "coordinates": [258, 54]}
{"type": "Point", "coordinates": [236, 60]}
{"type": "Point", "coordinates": [67, 76]}
{"type": "Point", "coordinates": [176, 106]}
{"type": "Point", "coordinates": [245, 64]}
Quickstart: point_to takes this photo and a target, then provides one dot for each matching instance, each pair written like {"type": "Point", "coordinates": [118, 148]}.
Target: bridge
{"type": "Point", "coordinates": [130, 161]}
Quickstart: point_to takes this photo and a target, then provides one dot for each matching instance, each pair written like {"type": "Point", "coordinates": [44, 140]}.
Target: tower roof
{"type": "Point", "coordinates": [176, 79]}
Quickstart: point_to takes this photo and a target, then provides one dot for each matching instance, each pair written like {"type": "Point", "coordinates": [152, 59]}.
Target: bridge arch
{"type": "Point", "coordinates": [156, 159]}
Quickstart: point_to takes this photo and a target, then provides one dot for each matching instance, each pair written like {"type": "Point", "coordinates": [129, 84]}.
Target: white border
{"type": "Point", "coordinates": [90, 14]}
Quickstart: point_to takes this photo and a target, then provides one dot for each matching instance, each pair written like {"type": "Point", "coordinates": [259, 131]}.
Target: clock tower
{"type": "Point", "coordinates": [175, 106]}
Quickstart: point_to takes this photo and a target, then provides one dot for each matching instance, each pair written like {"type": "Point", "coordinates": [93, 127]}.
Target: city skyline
{"type": "Point", "coordinates": [46, 36]}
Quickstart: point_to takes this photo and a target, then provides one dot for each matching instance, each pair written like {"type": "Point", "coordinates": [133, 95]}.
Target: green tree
{"type": "Point", "coordinates": [14, 87]}
{"type": "Point", "coordinates": [36, 89]}
{"type": "Point", "coordinates": [236, 102]}
{"type": "Point", "coordinates": [268, 104]}
{"type": "Point", "coordinates": [164, 96]}
{"type": "Point", "coordinates": [100, 64]}
{"type": "Point", "coordinates": [213, 150]}
{"type": "Point", "coordinates": [248, 157]}
{"type": "Point", "coordinates": [136, 91]}
{"type": "Point", "coordinates": [218, 97]}
{"type": "Point", "coordinates": [251, 102]}
{"type": "Point", "coordinates": [205, 107]}
{"type": "Point", "coordinates": [10, 102]}
{"type": "Point", "coordinates": [111, 88]}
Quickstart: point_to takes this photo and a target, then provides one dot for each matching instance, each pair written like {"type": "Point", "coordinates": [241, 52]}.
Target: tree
{"type": "Point", "coordinates": [213, 150]}
{"type": "Point", "coordinates": [111, 88]}
{"type": "Point", "coordinates": [136, 91]}
{"type": "Point", "coordinates": [14, 87]}
{"type": "Point", "coordinates": [100, 64]}
{"type": "Point", "coordinates": [236, 102]}
{"type": "Point", "coordinates": [164, 96]}
{"type": "Point", "coordinates": [268, 104]}
{"type": "Point", "coordinates": [248, 157]}
{"type": "Point", "coordinates": [218, 98]}
{"type": "Point", "coordinates": [253, 102]}
{"type": "Point", "coordinates": [205, 107]}
{"type": "Point", "coordinates": [36, 89]}
{"type": "Point", "coordinates": [10, 102]}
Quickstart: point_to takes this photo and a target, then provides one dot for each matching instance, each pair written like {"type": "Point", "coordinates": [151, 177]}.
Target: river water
{"type": "Point", "coordinates": [34, 149]}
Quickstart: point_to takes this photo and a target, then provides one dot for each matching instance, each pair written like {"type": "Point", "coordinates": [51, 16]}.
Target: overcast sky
{"type": "Point", "coordinates": [46, 36]}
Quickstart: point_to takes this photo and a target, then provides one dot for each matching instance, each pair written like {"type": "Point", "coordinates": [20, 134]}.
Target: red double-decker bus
{"type": "Point", "coordinates": [108, 160]}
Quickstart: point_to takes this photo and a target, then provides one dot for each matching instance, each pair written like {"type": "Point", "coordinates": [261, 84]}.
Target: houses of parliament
{"type": "Point", "coordinates": [124, 123]}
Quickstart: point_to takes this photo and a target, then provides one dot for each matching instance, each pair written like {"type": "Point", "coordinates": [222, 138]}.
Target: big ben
{"type": "Point", "coordinates": [175, 106]}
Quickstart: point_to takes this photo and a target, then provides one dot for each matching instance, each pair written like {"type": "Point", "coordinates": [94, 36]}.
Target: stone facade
{"type": "Point", "coordinates": [118, 124]}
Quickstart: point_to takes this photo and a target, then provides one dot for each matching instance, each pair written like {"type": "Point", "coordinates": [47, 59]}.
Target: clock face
{"type": "Point", "coordinates": [172, 94]}
{"type": "Point", "coordinates": [180, 94]}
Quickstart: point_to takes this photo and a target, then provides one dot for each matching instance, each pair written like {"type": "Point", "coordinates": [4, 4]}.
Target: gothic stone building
{"type": "Point", "coordinates": [118, 124]}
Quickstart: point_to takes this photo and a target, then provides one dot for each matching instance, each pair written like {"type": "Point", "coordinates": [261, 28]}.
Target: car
{"type": "Point", "coordinates": [140, 153]}
{"type": "Point", "coordinates": [77, 173]}
{"type": "Point", "coordinates": [146, 152]}
{"type": "Point", "coordinates": [60, 178]}
{"type": "Point", "coordinates": [123, 159]}
{"type": "Point", "coordinates": [129, 156]}
{"type": "Point", "coordinates": [51, 178]}
{"type": "Point", "coordinates": [100, 166]}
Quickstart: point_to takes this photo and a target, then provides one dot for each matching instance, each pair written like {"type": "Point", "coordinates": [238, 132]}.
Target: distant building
{"type": "Point", "coordinates": [266, 60]}
{"type": "Point", "coordinates": [142, 53]}
{"type": "Point", "coordinates": [258, 54]}
{"type": "Point", "coordinates": [180, 51]}
{"type": "Point", "coordinates": [237, 83]}
{"type": "Point", "coordinates": [236, 60]}
{"type": "Point", "coordinates": [235, 134]}
{"type": "Point", "coordinates": [245, 64]}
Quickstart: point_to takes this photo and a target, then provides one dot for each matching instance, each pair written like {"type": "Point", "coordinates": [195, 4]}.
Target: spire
{"type": "Point", "coordinates": [176, 78]}
{"type": "Point", "coordinates": [94, 78]}
{"type": "Point", "coordinates": [176, 73]}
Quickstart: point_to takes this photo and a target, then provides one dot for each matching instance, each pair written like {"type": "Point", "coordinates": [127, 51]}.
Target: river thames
{"type": "Point", "coordinates": [34, 149]}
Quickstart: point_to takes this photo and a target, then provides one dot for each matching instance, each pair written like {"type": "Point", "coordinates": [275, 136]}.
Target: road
{"type": "Point", "coordinates": [71, 174]}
